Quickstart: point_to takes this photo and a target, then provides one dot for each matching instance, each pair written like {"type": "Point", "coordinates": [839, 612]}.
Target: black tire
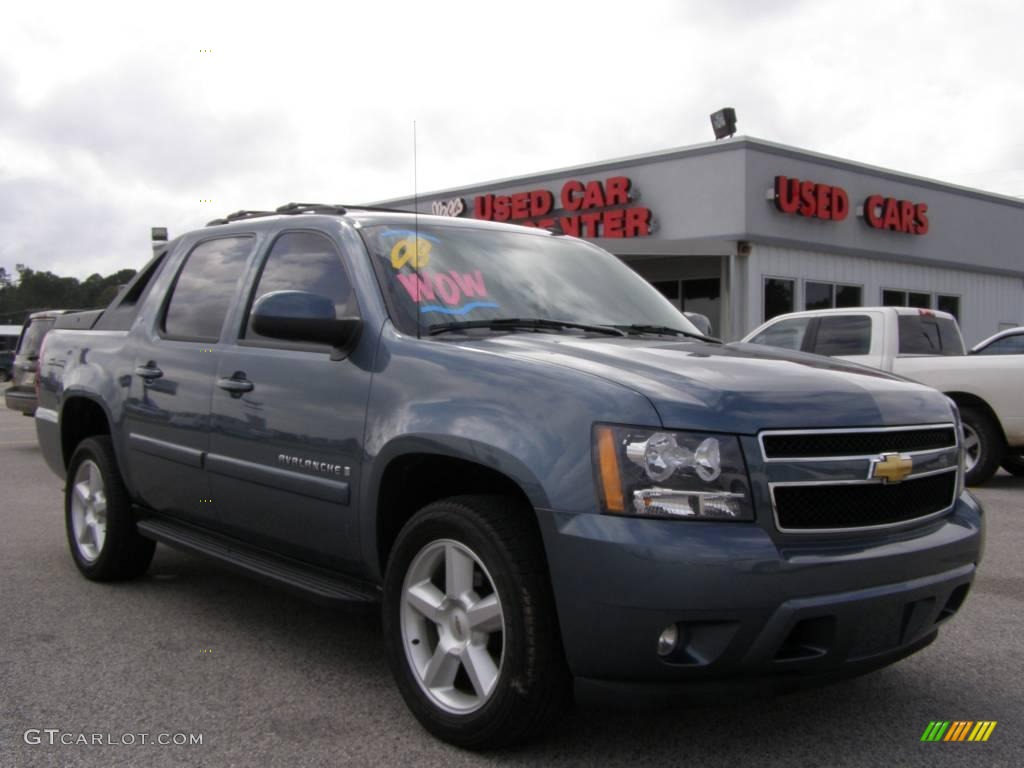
{"type": "Point", "coordinates": [123, 553]}
{"type": "Point", "coordinates": [990, 444]}
{"type": "Point", "coordinates": [533, 684]}
{"type": "Point", "coordinates": [1013, 462]}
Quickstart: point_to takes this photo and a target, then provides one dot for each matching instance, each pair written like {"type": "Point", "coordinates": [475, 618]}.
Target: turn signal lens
{"type": "Point", "coordinates": [608, 464]}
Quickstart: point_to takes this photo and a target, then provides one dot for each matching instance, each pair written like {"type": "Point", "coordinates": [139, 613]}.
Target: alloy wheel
{"type": "Point", "coordinates": [89, 511]}
{"type": "Point", "coordinates": [452, 626]}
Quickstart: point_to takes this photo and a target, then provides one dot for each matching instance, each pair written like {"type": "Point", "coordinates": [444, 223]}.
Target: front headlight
{"type": "Point", "coordinates": [673, 475]}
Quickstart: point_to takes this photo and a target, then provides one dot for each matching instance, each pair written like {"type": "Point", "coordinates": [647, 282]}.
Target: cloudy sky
{"type": "Point", "coordinates": [117, 117]}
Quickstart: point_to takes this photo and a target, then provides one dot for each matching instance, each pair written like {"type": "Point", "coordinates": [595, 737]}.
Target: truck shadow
{"type": "Point", "coordinates": [326, 650]}
{"type": "Point", "coordinates": [1001, 480]}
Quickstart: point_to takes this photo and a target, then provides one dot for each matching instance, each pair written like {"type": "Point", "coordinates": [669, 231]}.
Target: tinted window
{"type": "Point", "coordinates": [305, 261]}
{"type": "Point", "coordinates": [848, 296]}
{"type": "Point", "coordinates": [843, 335]}
{"type": "Point", "coordinates": [949, 304]}
{"type": "Point", "coordinates": [894, 298]}
{"type": "Point", "coordinates": [920, 300]}
{"type": "Point", "coordinates": [32, 338]}
{"type": "Point", "coordinates": [788, 334]}
{"type": "Point", "coordinates": [817, 295]}
{"type": "Point", "coordinates": [668, 288]}
{"type": "Point", "coordinates": [205, 287]}
{"type": "Point", "coordinates": [1008, 345]}
{"type": "Point", "coordinates": [778, 297]}
{"type": "Point", "coordinates": [929, 335]}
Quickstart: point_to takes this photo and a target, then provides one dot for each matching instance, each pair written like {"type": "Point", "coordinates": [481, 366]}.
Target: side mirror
{"type": "Point", "coordinates": [703, 322]}
{"type": "Point", "coordinates": [303, 316]}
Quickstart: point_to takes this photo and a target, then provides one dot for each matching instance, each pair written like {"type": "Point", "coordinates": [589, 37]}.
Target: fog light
{"type": "Point", "coordinates": [668, 640]}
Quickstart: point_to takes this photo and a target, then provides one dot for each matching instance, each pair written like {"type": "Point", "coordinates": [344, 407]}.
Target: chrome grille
{"type": "Point", "coordinates": [861, 505]}
{"type": "Point", "coordinates": [824, 481]}
{"type": "Point", "coordinates": [788, 445]}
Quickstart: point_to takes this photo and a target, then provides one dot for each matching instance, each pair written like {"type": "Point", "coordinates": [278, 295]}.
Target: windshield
{"type": "Point", "coordinates": [467, 274]}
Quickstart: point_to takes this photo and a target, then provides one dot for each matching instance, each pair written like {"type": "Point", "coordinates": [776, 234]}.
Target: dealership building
{"type": "Point", "coordinates": [743, 229]}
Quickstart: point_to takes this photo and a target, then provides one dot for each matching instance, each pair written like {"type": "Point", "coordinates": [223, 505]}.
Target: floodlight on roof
{"type": "Point", "coordinates": [724, 123]}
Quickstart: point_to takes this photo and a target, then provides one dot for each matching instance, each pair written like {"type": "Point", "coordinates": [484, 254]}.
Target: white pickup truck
{"type": "Point", "coordinates": [926, 346]}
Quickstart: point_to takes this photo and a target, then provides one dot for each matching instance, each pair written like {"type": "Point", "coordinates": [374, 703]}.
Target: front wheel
{"type": "Point", "coordinates": [470, 625]}
{"type": "Point", "coordinates": [105, 544]}
{"type": "Point", "coordinates": [983, 445]}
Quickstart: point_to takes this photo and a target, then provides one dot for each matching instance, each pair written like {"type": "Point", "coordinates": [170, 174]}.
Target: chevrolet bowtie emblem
{"type": "Point", "coordinates": [891, 467]}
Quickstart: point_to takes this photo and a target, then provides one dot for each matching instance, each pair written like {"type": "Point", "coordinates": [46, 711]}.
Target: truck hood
{"type": "Point", "coordinates": [738, 388]}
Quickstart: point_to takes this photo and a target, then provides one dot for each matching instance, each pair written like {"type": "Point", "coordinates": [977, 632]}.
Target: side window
{"type": "Point", "coordinates": [843, 335]}
{"type": "Point", "coordinates": [1008, 345]}
{"type": "Point", "coordinates": [788, 334]}
{"type": "Point", "coordinates": [304, 261]}
{"type": "Point", "coordinates": [205, 288]}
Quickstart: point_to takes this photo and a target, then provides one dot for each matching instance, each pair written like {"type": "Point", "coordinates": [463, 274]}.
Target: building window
{"type": "Point", "coordinates": [919, 300]}
{"type": "Point", "coordinates": [819, 295]}
{"type": "Point", "coordinates": [778, 296]}
{"type": "Point", "coordinates": [894, 298]}
{"type": "Point", "coordinates": [848, 296]}
{"type": "Point", "coordinates": [669, 289]}
{"type": "Point", "coordinates": [949, 304]}
{"type": "Point", "coordinates": [829, 295]}
{"type": "Point", "coordinates": [922, 300]}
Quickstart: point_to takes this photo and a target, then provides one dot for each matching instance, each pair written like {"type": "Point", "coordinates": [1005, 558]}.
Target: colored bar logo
{"type": "Point", "coordinates": [959, 730]}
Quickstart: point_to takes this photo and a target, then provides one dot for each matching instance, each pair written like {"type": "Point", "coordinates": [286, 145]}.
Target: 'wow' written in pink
{"type": "Point", "coordinates": [450, 287]}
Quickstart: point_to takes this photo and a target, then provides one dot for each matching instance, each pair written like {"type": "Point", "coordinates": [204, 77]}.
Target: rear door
{"type": "Point", "coordinates": [288, 421]}
{"type": "Point", "coordinates": [167, 414]}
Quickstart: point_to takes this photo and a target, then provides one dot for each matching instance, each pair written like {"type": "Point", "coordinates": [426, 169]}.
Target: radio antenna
{"type": "Point", "coordinates": [416, 230]}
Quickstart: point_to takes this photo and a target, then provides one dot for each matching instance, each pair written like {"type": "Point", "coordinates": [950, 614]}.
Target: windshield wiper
{"type": "Point", "coordinates": [510, 323]}
{"type": "Point", "coordinates": [664, 330]}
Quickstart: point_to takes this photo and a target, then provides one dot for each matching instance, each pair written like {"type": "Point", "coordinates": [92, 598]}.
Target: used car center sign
{"type": "Point", "coordinates": [831, 203]}
{"type": "Point", "coordinates": [595, 208]}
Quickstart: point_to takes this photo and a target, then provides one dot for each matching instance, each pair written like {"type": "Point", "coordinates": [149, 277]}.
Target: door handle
{"type": "Point", "coordinates": [149, 371]}
{"type": "Point", "coordinates": [236, 386]}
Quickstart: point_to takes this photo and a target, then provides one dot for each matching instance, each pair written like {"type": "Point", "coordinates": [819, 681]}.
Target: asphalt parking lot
{"type": "Point", "coordinates": [270, 680]}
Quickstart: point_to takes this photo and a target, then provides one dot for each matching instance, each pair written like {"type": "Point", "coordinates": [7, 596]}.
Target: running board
{"type": "Point", "coordinates": [314, 582]}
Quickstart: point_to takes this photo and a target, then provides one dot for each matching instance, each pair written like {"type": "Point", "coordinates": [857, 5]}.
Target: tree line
{"type": "Point", "coordinates": [31, 291]}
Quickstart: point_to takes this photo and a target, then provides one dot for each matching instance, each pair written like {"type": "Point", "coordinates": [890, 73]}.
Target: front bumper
{"type": "Point", "coordinates": [23, 400]}
{"type": "Point", "coordinates": [750, 603]}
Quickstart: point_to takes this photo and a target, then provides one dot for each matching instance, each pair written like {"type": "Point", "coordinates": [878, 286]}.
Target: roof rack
{"type": "Point", "coordinates": [291, 209]}
{"type": "Point", "coordinates": [238, 216]}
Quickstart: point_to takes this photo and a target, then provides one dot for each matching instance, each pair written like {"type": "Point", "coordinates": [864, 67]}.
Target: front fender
{"type": "Point", "coordinates": [529, 420]}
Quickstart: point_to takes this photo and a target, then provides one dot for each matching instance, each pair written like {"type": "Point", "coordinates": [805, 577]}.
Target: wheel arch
{"type": "Point", "coordinates": [81, 416]}
{"type": "Point", "coordinates": [414, 472]}
{"type": "Point", "coordinates": [969, 400]}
